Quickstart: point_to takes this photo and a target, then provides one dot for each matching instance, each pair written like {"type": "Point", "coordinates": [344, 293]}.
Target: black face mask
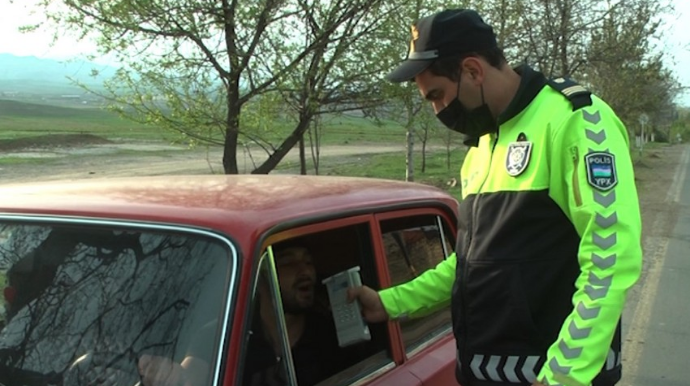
{"type": "Point", "coordinates": [473, 123]}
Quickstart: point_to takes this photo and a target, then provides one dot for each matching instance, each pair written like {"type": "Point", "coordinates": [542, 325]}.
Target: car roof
{"type": "Point", "coordinates": [239, 205]}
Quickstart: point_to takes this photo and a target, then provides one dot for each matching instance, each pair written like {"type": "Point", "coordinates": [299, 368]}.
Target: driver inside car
{"type": "Point", "coordinates": [312, 336]}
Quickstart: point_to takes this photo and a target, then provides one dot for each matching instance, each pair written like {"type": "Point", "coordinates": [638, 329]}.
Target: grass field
{"type": "Point", "coordinates": [20, 119]}
{"type": "Point", "coordinates": [392, 166]}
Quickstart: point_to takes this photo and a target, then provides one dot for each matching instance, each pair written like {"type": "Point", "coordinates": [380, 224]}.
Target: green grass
{"type": "Point", "coordinates": [6, 161]}
{"type": "Point", "coordinates": [345, 130]}
{"type": "Point", "coordinates": [340, 130]}
{"type": "Point", "coordinates": [392, 166]}
{"type": "Point", "coordinates": [21, 119]}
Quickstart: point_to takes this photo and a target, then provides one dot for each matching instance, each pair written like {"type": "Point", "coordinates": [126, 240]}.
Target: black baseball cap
{"type": "Point", "coordinates": [446, 33]}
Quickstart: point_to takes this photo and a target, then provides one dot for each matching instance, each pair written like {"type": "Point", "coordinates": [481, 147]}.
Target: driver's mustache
{"type": "Point", "coordinates": [303, 280]}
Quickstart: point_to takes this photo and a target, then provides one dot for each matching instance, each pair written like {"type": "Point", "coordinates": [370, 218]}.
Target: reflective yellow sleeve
{"type": "Point", "coordinates": [425, 294]}
{"type": "Point", "coordinates": [593, 182]}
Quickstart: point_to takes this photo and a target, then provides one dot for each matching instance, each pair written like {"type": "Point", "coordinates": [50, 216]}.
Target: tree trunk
{"type": "Point", "coordinates": [231, 136]}
{"type": "Point", "coordinates": [424, 156]}
{"type": "Point", "coordinates": [563, 38]}
{"type": "Point", "coordinates": [315, 144]}
{"type": "Point", "coordinates": [409, 162]}
{"type": "Point", "coordinates": [285, 147]}
{"type": "Point", "coordinates": [425, 139]}
{"type": "Point", "coordinates": [302, 158]}
{"type": "Point", "coordinates": [448, 150]}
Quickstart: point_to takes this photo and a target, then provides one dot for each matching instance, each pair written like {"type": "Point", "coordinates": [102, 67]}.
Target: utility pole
{"type": "Point", "coordinates": [409, 161]}
{"type": "Point", "coordinates": [644, 119]}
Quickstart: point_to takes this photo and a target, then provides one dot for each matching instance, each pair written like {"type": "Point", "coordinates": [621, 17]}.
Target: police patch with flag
{"type": "Point", "coordinates": [601, 170]}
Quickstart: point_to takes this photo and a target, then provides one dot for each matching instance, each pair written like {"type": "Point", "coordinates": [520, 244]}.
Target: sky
{"type": "Point", "coordinates": [16, 13]}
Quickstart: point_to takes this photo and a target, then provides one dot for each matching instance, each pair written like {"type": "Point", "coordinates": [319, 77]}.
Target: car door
{"type": "Point", "coordinates": [414, 241]}
{"type": "Point", "coordinates": [334, 245]}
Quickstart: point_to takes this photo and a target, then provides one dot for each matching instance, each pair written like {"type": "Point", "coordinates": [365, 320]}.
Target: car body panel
{"type": "Point", "coordinates": [248, 211]}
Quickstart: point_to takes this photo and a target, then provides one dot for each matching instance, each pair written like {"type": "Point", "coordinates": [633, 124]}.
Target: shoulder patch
{"type": "Point", "coordinates": [578, 96]}
{"type": "Point", "coordinates": [601, 170]}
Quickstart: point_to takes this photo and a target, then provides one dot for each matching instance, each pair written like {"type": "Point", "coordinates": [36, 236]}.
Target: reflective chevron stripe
{"type": "Point", "coordinates": [520, 369]}
{"type": "Point", "coordinates": [506, 369]}
{"type": "Point", "coordinates": [613, 360]}
{"type": "Point", "coordinates": [476, 366]}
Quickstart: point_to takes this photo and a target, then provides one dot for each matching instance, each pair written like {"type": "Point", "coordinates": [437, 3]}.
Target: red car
{"type": "Point", "coordinates": [101, 273]}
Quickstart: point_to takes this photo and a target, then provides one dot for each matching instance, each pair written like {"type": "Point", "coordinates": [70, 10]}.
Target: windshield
{"type": "Point", "coordinates": [82, 303]}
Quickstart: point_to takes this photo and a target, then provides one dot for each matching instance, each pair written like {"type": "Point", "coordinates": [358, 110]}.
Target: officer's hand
{"type": "Point", "coordinates": [372, 307]}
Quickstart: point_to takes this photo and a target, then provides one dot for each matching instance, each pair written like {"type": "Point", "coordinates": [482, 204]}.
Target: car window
{"type": "Point", "coordinates": [85, 301]}
{"type": "Point", "coordinates": [413, 245]}
{"type": "Point", "coordinates": [316, 357]}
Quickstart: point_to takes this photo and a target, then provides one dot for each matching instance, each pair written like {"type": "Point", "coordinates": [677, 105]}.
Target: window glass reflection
{"type": "Point", "coordinates": [83, 305]}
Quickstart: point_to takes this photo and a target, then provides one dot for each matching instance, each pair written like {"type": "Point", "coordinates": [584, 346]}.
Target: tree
{"type": "Point", "coordinates": [556, 32]}
{"type": "Point", "coordinates": [606, 45]}
{"type": "Point", "coordinates": [623, 70]}
{"type": "Point", "coordinates": [337, 75]}
{"type": "Point", "coordinates": [555, 36]}
{"type": "Point", "coordinates": [505, 18]}
{"type": "Point", "coordinates": [193, 65]}
{"type": "Point", "coordinates": [404, 104]}
{"type": "Point", "coordinates": [427, 126]}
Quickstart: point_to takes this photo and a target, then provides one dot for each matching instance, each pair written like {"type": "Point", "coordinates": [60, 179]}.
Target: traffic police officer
{"type": "Point", "coordinates": [549, 228]}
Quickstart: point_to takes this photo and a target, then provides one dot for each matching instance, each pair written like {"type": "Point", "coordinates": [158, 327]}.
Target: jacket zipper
{"type": "Point", "coordinates": [575, 180]}
{"type": "Point", "coordinates": [468, 250]}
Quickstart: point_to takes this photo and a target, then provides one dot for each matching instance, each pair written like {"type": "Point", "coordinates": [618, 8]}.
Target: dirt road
{"type": "Point", "coordinates": [121, 160]}
{"type": "Point", "coordinates": [655, 319]}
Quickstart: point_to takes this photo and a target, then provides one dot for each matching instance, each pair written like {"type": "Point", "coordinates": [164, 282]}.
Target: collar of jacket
{"type": "Point", "coordinates": [531, 83]}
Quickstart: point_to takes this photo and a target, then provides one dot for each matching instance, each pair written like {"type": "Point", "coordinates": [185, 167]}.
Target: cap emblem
{"type": "Point", "coordinates": [415, 36]}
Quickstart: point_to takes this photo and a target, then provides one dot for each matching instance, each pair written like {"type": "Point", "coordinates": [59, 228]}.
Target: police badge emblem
{"type": "Point", "coordinates": [601, 170]}
{"type": "Point", "coordinates": [518, 157]}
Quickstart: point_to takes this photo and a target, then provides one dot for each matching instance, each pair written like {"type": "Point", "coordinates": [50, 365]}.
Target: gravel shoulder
{"type": "Point", "coordinates": [655, 180]}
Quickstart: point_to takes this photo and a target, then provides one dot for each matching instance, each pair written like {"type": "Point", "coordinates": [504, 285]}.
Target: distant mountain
{"type": "Point", "coordinates": [28, 74]}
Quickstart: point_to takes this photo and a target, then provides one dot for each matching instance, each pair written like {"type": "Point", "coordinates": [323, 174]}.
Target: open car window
{"type": "Point", "coordinates": [414, 244]}
{"type": "Point", "coordinates": [86, 301]}
{"type": "Point", "coordinates": [316, 357]}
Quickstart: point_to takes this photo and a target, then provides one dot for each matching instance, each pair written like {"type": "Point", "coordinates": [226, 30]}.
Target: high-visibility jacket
{"type": "Point", "coordinates": [548, 245]}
